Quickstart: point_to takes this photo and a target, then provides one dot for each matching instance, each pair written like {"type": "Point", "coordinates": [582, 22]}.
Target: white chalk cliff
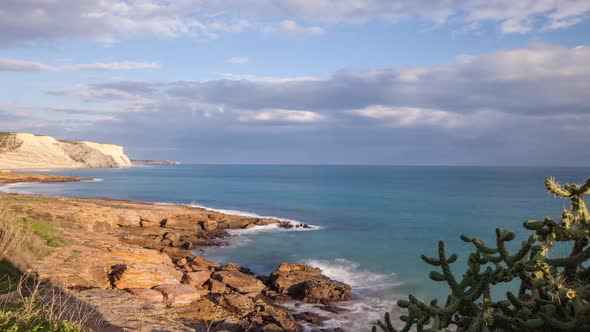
{"type": "Point", "coordinates": [21, 150]}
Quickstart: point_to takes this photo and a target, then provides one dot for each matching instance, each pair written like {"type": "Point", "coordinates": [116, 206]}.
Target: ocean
{"type": "Point", "coordinates": [371, 223]}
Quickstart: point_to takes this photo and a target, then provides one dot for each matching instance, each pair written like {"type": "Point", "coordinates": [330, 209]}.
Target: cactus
{"type": "Point", "coordinates": [553, 293]}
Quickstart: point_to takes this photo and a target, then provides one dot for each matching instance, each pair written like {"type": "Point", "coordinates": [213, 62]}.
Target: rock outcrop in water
{"type": "Point", "coordinates": [307, 283]}
{"type": "Point", "coordinates": [28, 151]}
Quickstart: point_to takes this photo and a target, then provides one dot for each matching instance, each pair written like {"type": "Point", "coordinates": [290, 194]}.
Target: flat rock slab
{"type": "Point", "coordinates": [121, 311]}
{"type": "Point", "coordinates": [239, 281]}
{"type": "Point", "coordinates": [139, 275]}
{"type": "Point", "coordinates": [200, 263]}
{"type": "Point", "coordinates": [178, 294]}
{"type": "Point", "coordinates": [197, 278]}
{"type": "Point", "coordinates": [148, 294]}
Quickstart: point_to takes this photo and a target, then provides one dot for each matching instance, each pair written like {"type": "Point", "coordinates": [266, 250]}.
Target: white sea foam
{"type": "Point", "coordinates": [259, 229]}
{"type": "Point", "coordinates": [373, 295]}
{"type": "Point", "coordinates": [14, 187]}
{"type": "Point", "coordinates": [351, 273]}
{"type": "Point", "coordinates": [240, 237]}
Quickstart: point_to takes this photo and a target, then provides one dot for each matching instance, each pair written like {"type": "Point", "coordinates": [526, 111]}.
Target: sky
{"type": "Point", "coordinates": [455, 82]}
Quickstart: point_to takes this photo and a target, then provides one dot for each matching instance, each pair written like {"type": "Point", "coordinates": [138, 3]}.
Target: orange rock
{"type": "Point", "coordinates": [197, 278]}
{"type": "Point", "coordinates": [291, 267]}
{"type": "Point", "coordinates": [200, 263]}
{"type": "Point", "coordinates": [142, 275]}
{"type": "Point", "coordinates": [178, 294]}
{"type": "Point", "coordinates": [177, 223]}
{"type": "Point", "coordinates": [208, 225]}
{"type": "Point", "coordinates": [237, 303]}
{"type": "Point", "coordinates": [239, 281]}
{"type": "Point", "coordinates": [216, 287]}
{"type": "Point", "coordinates": [149, 294]}
{"type": "Point", "coordinates": [304, 282]}
{"type": "Point", "coordinates": [138, 255]}
{"type": "Point", "coordinates": [202, 291]}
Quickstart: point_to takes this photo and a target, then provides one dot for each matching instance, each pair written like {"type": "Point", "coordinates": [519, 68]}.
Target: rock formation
{"type": "Point", "coordinates": [307, 283]}
{"type": "Point", "coordinates": [117, 252]}
{"type": "Point", "coordinates": [20, 150]}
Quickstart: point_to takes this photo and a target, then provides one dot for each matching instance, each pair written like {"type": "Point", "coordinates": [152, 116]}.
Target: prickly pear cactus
{"type": "Point", "coordinates": [553, 293]}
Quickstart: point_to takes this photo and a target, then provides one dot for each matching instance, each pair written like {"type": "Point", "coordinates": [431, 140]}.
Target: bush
{"type": "Point", "coordinates": [553, 293]}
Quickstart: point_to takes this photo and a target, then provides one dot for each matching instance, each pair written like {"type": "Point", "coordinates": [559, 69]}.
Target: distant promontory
{"type": "Point", "coordinates": [155, 162]}
{"type": "Point", "coordinates": [28, 151]}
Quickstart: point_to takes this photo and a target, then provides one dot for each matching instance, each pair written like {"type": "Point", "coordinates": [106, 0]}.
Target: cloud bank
{"type": "Point", "coordinates": [107, 21]}
{"type": "Point", "coordinates": [510, 106]}
{"type": "Point", "coordinates": [33, 66]}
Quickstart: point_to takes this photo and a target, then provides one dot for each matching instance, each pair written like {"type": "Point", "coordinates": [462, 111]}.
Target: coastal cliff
{"type": "Point", "coordinates": [27, 151]}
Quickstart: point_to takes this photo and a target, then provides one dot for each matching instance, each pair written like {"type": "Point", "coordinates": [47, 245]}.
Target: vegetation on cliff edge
{"type": "Point", "coordinates": [27, 304]}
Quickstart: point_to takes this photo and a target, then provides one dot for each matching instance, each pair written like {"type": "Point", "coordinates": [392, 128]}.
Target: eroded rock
{"type": "Point", "coordinates": [278, 316]}
{"type": "Point", "coordinates": [325, 290]}
{"type": "Point", "coordinates": [240, 304]}
{"type": "Point", "coordinates": [239, 281]}
{"type": "Point", "coordinates": [178, 294]}
{"type": "Point", "coordinates": [141, 275]}
{"type": "Point", "coordinates": [215, 286]}
{"type": "Point", "coordinates": [200, 263]}
{"type": "Point", "coordinates": [148, 294]}
{"type": "Point", "coordinates": [208, 225]}
{"type": "Point", "coordinates": [307, 283]}
{"type": "Point", "coordinates": [197, 278]}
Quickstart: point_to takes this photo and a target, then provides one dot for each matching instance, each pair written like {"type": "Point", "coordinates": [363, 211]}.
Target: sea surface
{"type": "Point", "coordinates": [371, 223]}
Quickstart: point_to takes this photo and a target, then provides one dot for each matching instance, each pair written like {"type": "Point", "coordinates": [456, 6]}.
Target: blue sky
{"type": "Point", "coordinates": [304, 82]}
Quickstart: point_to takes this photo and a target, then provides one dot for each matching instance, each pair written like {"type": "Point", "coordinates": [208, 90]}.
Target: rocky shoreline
{"type": "Point", "coordinates": [127, 257]}
{"type": "Point", "coordinates": [9, 177]}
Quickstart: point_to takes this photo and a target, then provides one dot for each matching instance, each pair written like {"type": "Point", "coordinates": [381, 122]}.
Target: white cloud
{"type": "Point", "coordinates": [536, 80]}
{"type": "Point", "coordinates": [27, 65]}
{"type": "Point", "coordinates": [119, 65]}
{"type": "Point", "coordinates": [269, 79]}
{"type": "Point", "coordinates": [411, 116]}
{"type": "Point", "coordinates": [108, 21]}
{"type": "Point", "coordinates": [292, 29]}
{"type": "Point", "coordinates": [238, 60]}
{"type": "Point", "coordinates": [281, 116]}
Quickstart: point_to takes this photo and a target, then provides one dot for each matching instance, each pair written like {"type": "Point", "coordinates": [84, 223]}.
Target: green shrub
{"type": "Point", "coordinates": [553, 293]}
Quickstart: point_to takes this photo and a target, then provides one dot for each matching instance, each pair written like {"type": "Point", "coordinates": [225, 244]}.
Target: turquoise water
{"type": "Point", "coordinates": [372, 222]}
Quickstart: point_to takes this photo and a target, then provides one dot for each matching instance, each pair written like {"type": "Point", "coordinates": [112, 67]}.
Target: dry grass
{"type": "Point", "coordinates": [29, 304]}
{"type": "Point", "coordinates": [36, 305]}
{"type": "Point", "coordinates": [13, 233]}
